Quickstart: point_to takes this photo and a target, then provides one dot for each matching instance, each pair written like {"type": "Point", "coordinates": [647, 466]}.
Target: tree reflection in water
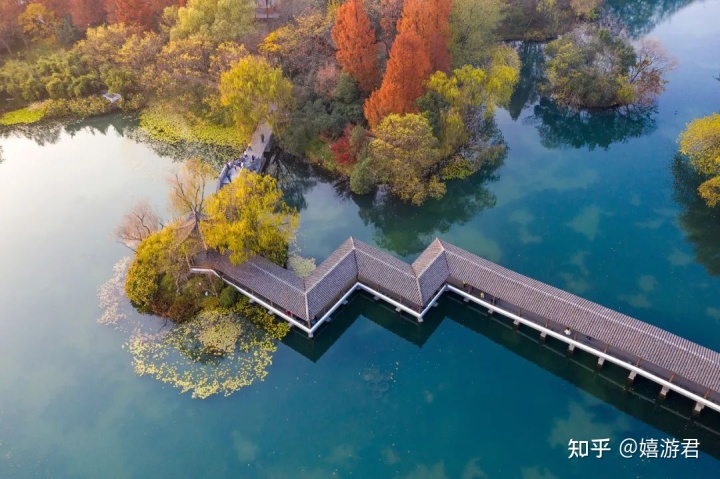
{"type": "Point", "coordinates": [560, 126]}
{"type": "Point", "coordinates": [532, 72]}
{"type": "Point", "coordinates": [700, 223]}
{"type": "Point", "coordinates": [295, 177]}
{"type": "Point", "coordinates": [43, 134]}
{"type": "Point", "coordinates": [641, 16]}
{"type": "Point", "coordinates": [407, 230]}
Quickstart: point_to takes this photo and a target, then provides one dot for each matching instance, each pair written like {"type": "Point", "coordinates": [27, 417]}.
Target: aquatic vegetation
{"type": "Point", "coordinates": [302, 267]}
{"type": "Point", "coordinates": [165, 124]}
{"type": "Point", "coordinates": [218, 352]}
{"type": "Point", "coordinates": [22, 116]}
{"type": "Point", "coordinates": [111, 294]}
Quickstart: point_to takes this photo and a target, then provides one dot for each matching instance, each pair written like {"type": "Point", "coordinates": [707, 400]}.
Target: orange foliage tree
{"type": "Point", "coordinates": [59, 8]}
{"type": "Point", "coordinates": [10, 29]}
{"type": "Point", "coordinates": [87, 13]}
{"type": "Point", "coordinates": [130, 12]}
{"type": "Point", "coordinates": [408, 68]}
{"type": "Point", "coordinates": [431, 20]}
{"type": "Point", "coordinates": [355, 42]}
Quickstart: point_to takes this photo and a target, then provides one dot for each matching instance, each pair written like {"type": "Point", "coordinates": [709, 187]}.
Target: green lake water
{"type": "Point", "coordinates": [593, 203]}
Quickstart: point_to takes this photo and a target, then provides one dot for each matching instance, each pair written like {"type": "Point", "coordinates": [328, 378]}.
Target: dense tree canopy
{"type": "Point", "coordinates": [593, 68]}
{"type": "Point", "coordinates": [355, 42]}
{"type": "Point", "coordinates": [430, 20]}
{"type": "Point", "coordinates": [221, 20]}
{"type": "Point", "coordinates": [407, 70]}
{"type": "Point", "coordinates": [700, 142]}
{"type": "Point", "coordinates": [255, 91]}
{"type": "Point", "coordinates": [249, 217]}
{"type": "Point", "coordinates": [402, 154]}
{"type": "Point", "coordinates": [474, 25]}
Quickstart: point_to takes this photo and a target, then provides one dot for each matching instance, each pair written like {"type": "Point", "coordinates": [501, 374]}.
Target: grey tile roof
{"type": "Point", "coordinates": [442, 262]}
{"type": "Point", "coordinates": [391, 274]}
{"type": "Point", "coordinates": [431, 270]}
{"type": "Point", "coordinates": [643, 340]}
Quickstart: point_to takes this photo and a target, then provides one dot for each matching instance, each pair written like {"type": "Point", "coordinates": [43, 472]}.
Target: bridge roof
{"type": "Point", "coordinates": [442, 262]}
{"type": "Point", "coordinates": [681, 356]}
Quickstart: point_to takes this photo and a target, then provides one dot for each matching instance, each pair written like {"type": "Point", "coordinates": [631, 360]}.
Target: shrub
{"type": "Point", "coordinates": [228, 297]}
{"type": "Point", "coordinates": [77, 108]}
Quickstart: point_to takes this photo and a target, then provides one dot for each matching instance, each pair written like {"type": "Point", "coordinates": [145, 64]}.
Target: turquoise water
{"type": "Point", "coordinates": [595, 204]}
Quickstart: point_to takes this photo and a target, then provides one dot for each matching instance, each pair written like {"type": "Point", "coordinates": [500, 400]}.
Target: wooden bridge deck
{"type": "Point", "coordinates": [674, 362]}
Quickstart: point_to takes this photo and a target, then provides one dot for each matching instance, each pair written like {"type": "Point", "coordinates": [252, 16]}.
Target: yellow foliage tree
{"type": "Point", "coordinates": [37, 21]}
{"type": "Point", "coordinates": [249, 217]}
{"type": "Point", "coordinates": [255, 92]}
{"type": "Point", "coordinates": [403, 154]}
{"type": "Point", "coordinates": [700, 142]}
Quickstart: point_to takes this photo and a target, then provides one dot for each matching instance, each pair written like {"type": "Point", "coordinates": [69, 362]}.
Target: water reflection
{"type": "Point", "coordinates": [700, 223]}
{"type": "Point", "coordinates": [407, 230]}
{"type": "Point", "coordinates": [532, 71]}
{"type": "Point", "coordinates": [560, 126]}
{"type": "Point", "coordinates": [295, 178]}
{"type": "Point", "coordinates": [43, 134]}
{"type": "Point", "coordinates": [605, 386]}
{"type": "Point", "coordinates": [641, 16]}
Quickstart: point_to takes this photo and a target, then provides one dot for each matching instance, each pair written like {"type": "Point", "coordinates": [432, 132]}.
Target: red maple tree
{"type": "Point", "coordinates": [408, 68]}
{"type": "Point", "coordinates": [354, 39]}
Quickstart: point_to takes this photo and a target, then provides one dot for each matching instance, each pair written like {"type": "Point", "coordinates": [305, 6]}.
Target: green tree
{"type": "Point", "coordinates": [403, 154]}
{"type": "Point", "coordinates": [255, 92]}
{"type": "Point", "coordinates": [157, 279]}
{"type": "Point", "coordinates": [588, 68]}
{"type": "Point", "coordinates": [249, 217]}
{"type": "Point", "coordinates": [453, 100]}
{"type": "Point", "coordinates": [700, 142]}
{"type": "Point", "coordinates": [474, 25]}
{"type": "Point", "coordinates": [221, 20]}
{"type": "Point", "coordinates": [593, 68]}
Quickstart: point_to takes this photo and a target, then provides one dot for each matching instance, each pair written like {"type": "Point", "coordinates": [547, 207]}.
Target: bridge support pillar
{"type": "Point", "coordinates": [571, 349]}
{"type": "Point", "coordinates": [631, 377]}
{"type": "Point", "coordinates": [516, 324]}
{"type": "Point", "coordinates": [698, 409]}
{"type": "Point", "coordinates": [600, 363]}
{"type": "Point", "coordinates": [543, 336]}
{"type": "Point", "coordinates": [663, 392]}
